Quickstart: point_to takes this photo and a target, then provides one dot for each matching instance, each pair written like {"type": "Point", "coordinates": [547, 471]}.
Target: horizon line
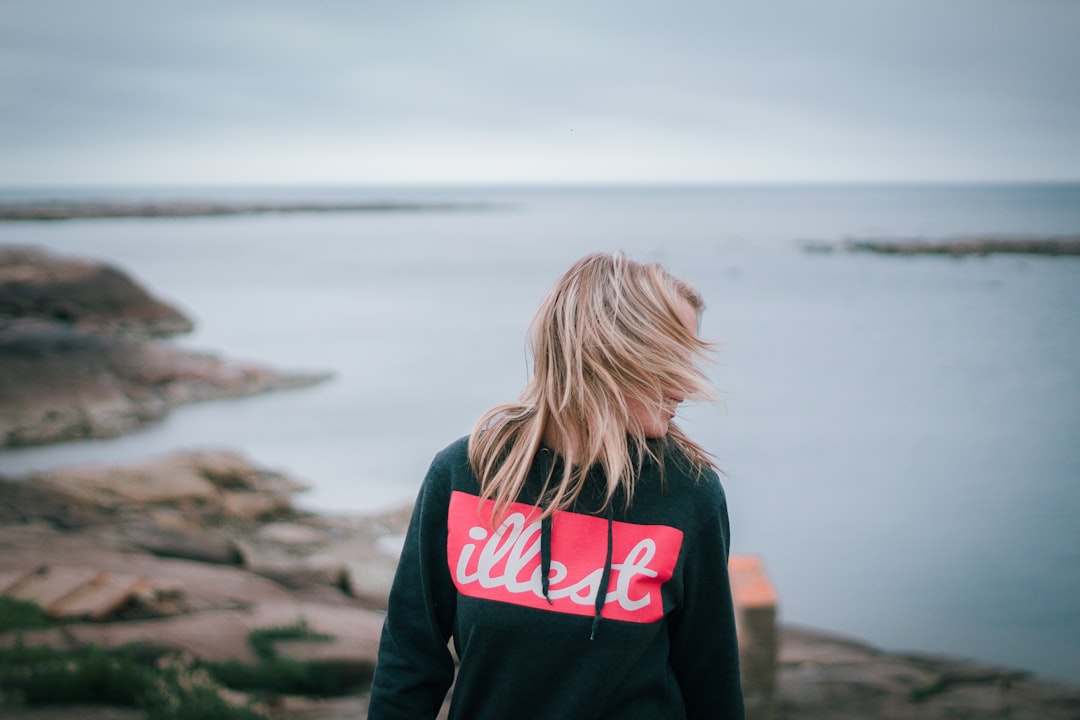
{"type": "Point", "coordinates": [534, 184]}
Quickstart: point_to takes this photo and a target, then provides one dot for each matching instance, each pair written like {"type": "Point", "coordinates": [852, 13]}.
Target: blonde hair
{"type": "Point", "coordinates": [608, 333]}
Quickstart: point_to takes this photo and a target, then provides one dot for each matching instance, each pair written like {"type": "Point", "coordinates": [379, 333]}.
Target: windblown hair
{"type": "Point", "coordinates": [608, 333]}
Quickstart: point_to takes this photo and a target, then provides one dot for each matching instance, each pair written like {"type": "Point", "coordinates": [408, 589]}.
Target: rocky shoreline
{"type": "Point", "coordinates": [189, 554]}
{"type": "Point", "coordinates": [87, 209]}
{"type": "Point", "coordinates": [192, 552]}
{"type": "Point", "coordinates": [1052, 245]}
{"type": "Point", "coordinates": [82, 354]}
{"type": "Point", "coordinates": [188, 557]}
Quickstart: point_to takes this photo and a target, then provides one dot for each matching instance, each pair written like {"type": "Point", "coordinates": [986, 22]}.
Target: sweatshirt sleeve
{"type": "Point", "coordinates": [414, 669]}
{"type": "Point", "coordinates": [704, 647]}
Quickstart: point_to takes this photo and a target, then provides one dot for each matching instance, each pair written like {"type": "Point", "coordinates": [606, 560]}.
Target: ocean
{"type": "Point", "coordinates": [900, 436]}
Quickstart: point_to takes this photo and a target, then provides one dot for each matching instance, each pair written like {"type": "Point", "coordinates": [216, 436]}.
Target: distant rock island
{"type": "Point", "coordinates": [960, 246]}
{"type": "Point", "coordinates": [83, 209]}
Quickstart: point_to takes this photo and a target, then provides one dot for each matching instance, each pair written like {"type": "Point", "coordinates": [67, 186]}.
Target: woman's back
{"type": "Point", "coordinates": [575, 546]}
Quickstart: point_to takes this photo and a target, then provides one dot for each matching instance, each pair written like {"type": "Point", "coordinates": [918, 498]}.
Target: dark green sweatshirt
{"type": "Point", "coordinates": [658, 643]}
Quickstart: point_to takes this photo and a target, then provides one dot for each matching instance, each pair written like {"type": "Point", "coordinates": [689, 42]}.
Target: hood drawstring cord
{"type": "Point", "coordinates": [545, 557]}
{"type": "Point", "coordinates": [605, 577]}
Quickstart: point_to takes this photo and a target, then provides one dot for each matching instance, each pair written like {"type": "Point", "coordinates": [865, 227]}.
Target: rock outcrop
{"type": "Point", "coordinates": [75, 209]}
{"type": "Point", "coordinates": [81, 293]}
{"type": "Point", "coordinates": [824, 676]}
{"type": "Point", "coordinates": [1052, 245]}
{"type": "Point", "coordinates": [211, 508]}
{"type": "Point", "coordinates": [77, 358]}
{"type": "Point", "coordinates": [160, 553]}
{"type": "Point", "coordinates": [65, 534]}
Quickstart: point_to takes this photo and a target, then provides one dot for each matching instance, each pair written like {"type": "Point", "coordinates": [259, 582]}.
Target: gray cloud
{"type": "Point", "coordinates": [371, 91]}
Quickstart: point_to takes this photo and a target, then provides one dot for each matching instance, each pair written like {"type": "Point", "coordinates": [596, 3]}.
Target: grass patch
{"type": "Point", "coordinates": [21, 615]}
{"type": "Point", "coordinates": [165, 691]}
{"type": "Point", "coordinates": [263, 639]}
{"type": "Point", "coordinates": [42, 675]}
{"type": "Point", "coordinates": [282, 675]}
{"type": "Point", "coordinates": [924, 691]}
{"type": "Point", "coordinates": [279, 676]}
{"type": "Point", "coordinates": [162, 685]}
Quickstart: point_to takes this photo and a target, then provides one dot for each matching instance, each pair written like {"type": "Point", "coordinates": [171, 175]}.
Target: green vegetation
{"type": "Point", "coordinates": [166, 691]}
{"type": "Point", "coordinates": [21, 614]}
{"type": "Point", "coordinates": [282, 675]}
{"type": "Point", "coordinates": [163, 685]}
{"type": "Point", "coordinates": [263, 639]}
{"type": "Point", "coordinates": [925, 691]}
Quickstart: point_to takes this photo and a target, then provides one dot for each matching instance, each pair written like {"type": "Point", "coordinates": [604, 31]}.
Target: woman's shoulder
{"type": "Point", "coordinates": [453, 455]}
{"type": "Point", "coordinates": [679, 466]}
{"type": "Point", "coordinates": [698, 484]}
{"type": "Point", "coordinates": [451, 466]}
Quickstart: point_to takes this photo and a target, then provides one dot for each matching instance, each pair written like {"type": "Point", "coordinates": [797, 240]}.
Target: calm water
{"type": "Point", "coordinates": [901, 436]}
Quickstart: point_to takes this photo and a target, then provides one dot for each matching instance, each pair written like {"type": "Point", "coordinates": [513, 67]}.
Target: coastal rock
{"type": "Point", "coordinates": [92, 296]}
{"type": "Point", "coordinates": [196, 586]}
{"type": "Point", "coordinates": [345, 565]}
{"type": "Point", "coordinates": [292, 570]}
{"type": "Point", "coordinates": [67, 210]}
{"type": "Point", "coordinates": [303, 708]}
{"type": "Point", "coordinates": [824, 676]}
{"type": "Point", "coordinates": [21, 502]}
{"type": "Point", "coordinates": [230, 470]}
{"type": "Point", "coordinates": [369, 579]}
{"type": "Point", "coordinates": [75, 358]}
{"type": "Point", "coordinates": [223, 634]}
{"type": "Point", "coordinates": [209, 547]}
{"type": "Point", "coordinates": [370, 551]}
{"type": "Point", "coordinates": [1052, 245]}
{"type": "Point", "coordinates": [292, 534]}
{"type": "Point", "coordinates": [155, 512]}
{"type": "Point", "coordinates": [60, 384]}
{"type": "Point", "coordinates": [353, 643]}
{"type": "Point", "coordinates": [202, 483]}
{"type": "Point", "coordinates": [75, 593]}
{"type": "Point", "coordinates": [254, 506]}
{"type": "Point", "coordinates": [210, 506]}
{"type": "Point", "coordinates": [143, 483]}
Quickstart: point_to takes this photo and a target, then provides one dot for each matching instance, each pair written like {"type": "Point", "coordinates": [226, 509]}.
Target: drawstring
{"type": "Point", "coordinates": [605, 577]}
{"type": "Point", "coordinates": [545, 556]}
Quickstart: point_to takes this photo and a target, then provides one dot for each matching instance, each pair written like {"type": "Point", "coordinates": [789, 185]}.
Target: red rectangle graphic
{"type": "Point", "coordinates": [503, 564]}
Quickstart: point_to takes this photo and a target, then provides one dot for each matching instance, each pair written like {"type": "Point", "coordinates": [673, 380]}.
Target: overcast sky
{"type": "Point", "coordinates": [408, 91]}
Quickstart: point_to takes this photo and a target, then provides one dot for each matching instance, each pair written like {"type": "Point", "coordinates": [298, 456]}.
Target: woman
{"type": "Point", "coordinates": [575, 545]}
